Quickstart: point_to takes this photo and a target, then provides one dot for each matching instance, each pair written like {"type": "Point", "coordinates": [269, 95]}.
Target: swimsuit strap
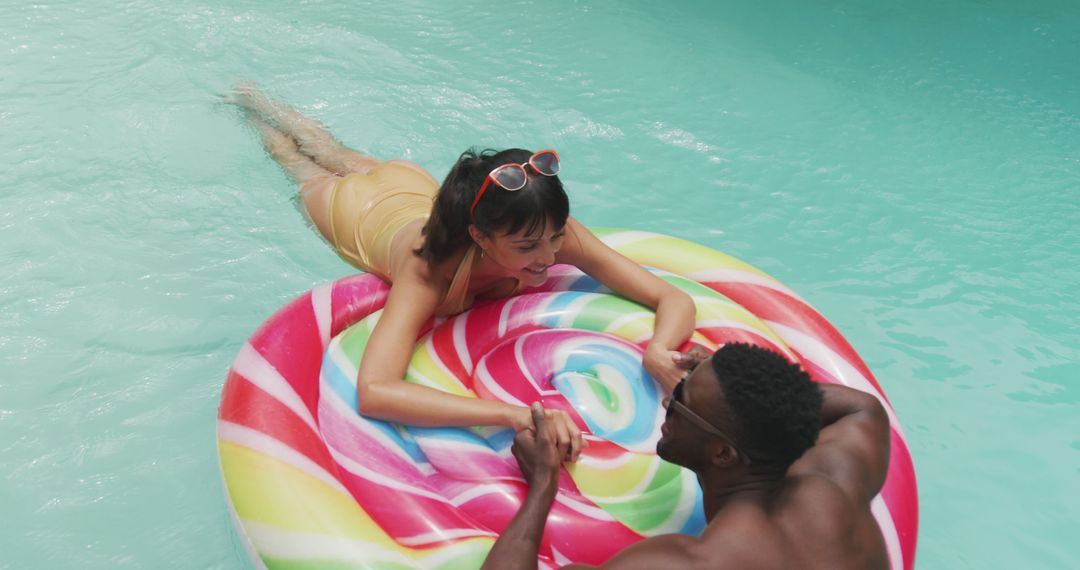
{"type": "Point", "coordinates": [454, 301]}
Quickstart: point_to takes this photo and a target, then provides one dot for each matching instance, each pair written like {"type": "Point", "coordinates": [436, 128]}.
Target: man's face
{"type": "Point", "coordinates": [681, 440]}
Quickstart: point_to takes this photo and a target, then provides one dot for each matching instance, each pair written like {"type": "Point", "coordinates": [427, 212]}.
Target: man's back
{"type": "Point", "coordinates": [806, 523]}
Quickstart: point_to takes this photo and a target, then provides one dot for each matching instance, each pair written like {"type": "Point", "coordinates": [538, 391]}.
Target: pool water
{"type": "Point", "coordinates": [910, 168]}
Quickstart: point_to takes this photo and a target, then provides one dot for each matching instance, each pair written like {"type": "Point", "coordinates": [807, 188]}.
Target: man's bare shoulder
{"type": "Point", "coordinates": [823, 527]}
{"type": "Point", "coordinates": [811, 499]}
{"type": "Point", "coordinates": [806, 516]}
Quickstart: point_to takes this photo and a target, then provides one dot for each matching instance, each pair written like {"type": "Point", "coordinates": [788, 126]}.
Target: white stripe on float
{"type": "Point", "coordinates": [436, 442]}
{"type": "Point", "coordinates": [241, 530]}
{"type": "Point", "coordinates": [429, 347]}
{"type": "Point", "coordinates": [442, 535]}
{"type": "Point", "coordinates": [739, 276]}
{"type": "Point", "coordinates": [560, 558]}
{"type": "Point", "coordinates": [341, 361]}
{"type": "Point", "coordinates": [321, 297]}
{"type": "Point", "coordinates": [483, 375]}
{"type": "Point", "coordinates": [624, 238]}
{"type": "Point", "coordinates": [732, 324]}
{"type": "Point", "coordinates": [446, 553]}
{"type": "Point", "coordinates": [263, 443]}
{"type": "Point", "coordinates": [821, 355]}
{"type": "Point", "coordinates": [359, 470]}
{"type": "Point", "coordinates": [352, 418]}
{"type": "Point", "coordinates": [425, 380]}
{"type": "Point", "coordinates": [606, 464]}
{"type": "Point", "coordinates": [590, 511]}
{"type": "Point", "coordinates": [634, 492]}
{"type": "Point", "coordinates": [564, 282]}
{"type": "Point", "coordinates": [251, 365]}
{"type": "Point", "coordinates": [687, 496]}
{"type": "Point", "coordinates": [628, 318]}
{"type": "Point", "coordinates": [888, 532]}
{"type": "Point", "coordinates": [717, 303]}
{"type": "Point", "coordinates": [574, 308]}
{"type": "Point", "coordinates": [484, 490]}
{"type": "Point", "coordinates": [522, 361]}
{"type": "Point", "coordinates": [275, 542]}
{"type": "Point", "coordinates": [504, 315]}
{"type": "Point", "coordinates": [461, 343]}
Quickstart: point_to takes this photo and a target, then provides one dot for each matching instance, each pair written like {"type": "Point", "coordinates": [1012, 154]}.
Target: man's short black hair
{"type": "Point", "coordinates": [777, 407]}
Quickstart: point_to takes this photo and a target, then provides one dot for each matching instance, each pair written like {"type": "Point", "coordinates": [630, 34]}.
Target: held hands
{"type": "Point", "coordinates": [538, 453]}
{"type": "Point", "coordinates": [558, 427]}
{"type": "Point", "coordinates": [660, 363]}
{"type": "Point", "coordinates": [669, 366]}
{"type": "Point", "coordinates": [691, 358]}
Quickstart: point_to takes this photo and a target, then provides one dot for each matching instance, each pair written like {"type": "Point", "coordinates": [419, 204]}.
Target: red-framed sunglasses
{"type": "Point", "coordinates": [513, 176]}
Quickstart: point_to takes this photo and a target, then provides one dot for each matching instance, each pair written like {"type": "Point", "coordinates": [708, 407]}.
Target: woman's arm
{"type": "Point", "coordinates": [382, 393]}
{"type": "Point", "coordinates": [675, 310]}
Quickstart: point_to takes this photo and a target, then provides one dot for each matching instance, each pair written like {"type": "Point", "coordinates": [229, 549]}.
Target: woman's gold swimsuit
{"type": "Point", "coordinates": [367, 210]}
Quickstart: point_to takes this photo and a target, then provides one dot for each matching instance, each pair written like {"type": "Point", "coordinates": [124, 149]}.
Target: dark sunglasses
{"type": "Point", "coordinates": [675, 403]}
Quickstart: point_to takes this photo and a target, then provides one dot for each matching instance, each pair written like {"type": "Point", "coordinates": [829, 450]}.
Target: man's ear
{"type": "Point", "coordinates": [724, 455]}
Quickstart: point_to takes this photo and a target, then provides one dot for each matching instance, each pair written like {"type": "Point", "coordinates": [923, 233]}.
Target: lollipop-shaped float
{"type": "Point", "coordinates": [312, 483]}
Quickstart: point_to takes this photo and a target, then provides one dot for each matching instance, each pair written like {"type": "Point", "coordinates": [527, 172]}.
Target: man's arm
{"type": "Point", "coordinates": [519, 544]}
{"type": "Point", "coordinates": [517, 547]}
{"type": "Point", "coordinates": [539, 458]}
{"type": "Point", "coordinates": [852, 449]}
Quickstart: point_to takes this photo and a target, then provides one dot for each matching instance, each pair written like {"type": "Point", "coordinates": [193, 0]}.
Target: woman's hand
{"type": "Point", "coordinates": [560, 427]}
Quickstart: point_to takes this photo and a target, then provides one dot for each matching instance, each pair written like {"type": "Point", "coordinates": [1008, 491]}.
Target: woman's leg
{"type": "Point", "coordinates": [311, 137]}
{"type": "Point", "coordinates": [316, 183]}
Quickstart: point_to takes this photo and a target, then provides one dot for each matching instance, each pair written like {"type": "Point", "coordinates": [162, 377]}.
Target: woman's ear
{"type": "Point", "coordinates": [479, 238]}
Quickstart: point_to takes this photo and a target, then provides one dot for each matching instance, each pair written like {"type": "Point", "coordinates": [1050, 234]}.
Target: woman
{"type": "Point", "coordinates": [494, 227]}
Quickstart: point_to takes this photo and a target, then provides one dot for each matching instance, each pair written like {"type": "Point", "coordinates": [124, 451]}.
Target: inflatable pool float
{"type": "Point", "coordinates": [312, 484]}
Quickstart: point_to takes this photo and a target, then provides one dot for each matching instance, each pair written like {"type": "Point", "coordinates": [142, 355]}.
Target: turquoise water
{"type": "Point", "coordinates": [912, 169]}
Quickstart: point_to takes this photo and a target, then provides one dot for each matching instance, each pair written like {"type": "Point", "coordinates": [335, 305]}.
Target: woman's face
{"type": "Point", "coordinates": [525, 256]}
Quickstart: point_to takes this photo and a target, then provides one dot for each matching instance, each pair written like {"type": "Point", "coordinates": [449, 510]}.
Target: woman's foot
{"type": "Point", "coordinates": [310, 136]}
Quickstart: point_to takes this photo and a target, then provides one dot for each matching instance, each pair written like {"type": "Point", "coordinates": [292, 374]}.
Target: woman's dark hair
{"type": "Point", "coordinates": [777, 407]}
{"type": "Point", "coordinates": [542, 200]}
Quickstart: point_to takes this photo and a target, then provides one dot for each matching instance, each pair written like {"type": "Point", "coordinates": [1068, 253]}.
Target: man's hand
{"type": "Point", "coordinates": [540, 452]}
{"type": "Point", "coordinates": [660, 364]}
{"type": "Point", "coordinates": [691, 358]}
{"type": "Point", "coordinates": [668, 366]}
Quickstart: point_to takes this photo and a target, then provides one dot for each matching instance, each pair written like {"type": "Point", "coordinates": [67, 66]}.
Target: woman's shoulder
{"type": "Point", "coordinates": [414, 268]}
{"type": "Point", "coordinates": [578, 244]}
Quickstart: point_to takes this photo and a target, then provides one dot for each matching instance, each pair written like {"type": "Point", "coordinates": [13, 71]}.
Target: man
{"type": "Point", "coordinates": [777, 493]}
